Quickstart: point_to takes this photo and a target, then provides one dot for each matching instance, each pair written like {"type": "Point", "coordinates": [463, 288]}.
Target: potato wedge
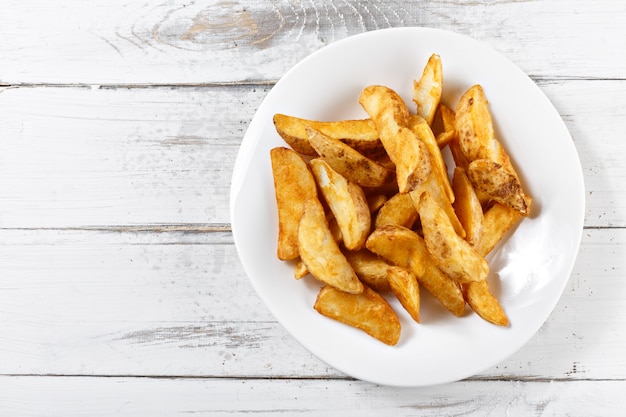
{"type": "Point", "coordinates": [499, 184]}
{"type": "Point", "coordinates": [405, 287]}
{"type": "Point", "coordinates": [293, 185]}
{"type": "Point", "coordinates": [482, 301]}
{"type": "Point", "coordinates": [347, 202]}
{"type": "Point", "coordinates": [371, 270]}
{"type": "Point", "coordinates": [405, 248]}
{"type": "Point", "coordinates": [390, 116]}
{"type": "Point", "coordinates": [454, 256]}
{"type": "Point", "coordinates": [399, 209]}
{"type": "Point", "coordinates": [467, 207]}
{"type": "Point", "coordinates": [427, 90]}
{"type": "Point", "coordinates": [358, 134]}
{"type": "Point", "coordinates": [432, 187]}
{"type": "Point", "coordinates": [349, 162]}
{"type": "Point", "coordinates": [321, 254]}
{"type": "Point", "coordinates": [300, 270]}
{"type": "Point", "coordinates": [477, 141]}
{"type": "Point", "coordinates": [438, 169]}
{"type": "Point", "coordinates": [448, 118]}
{"type": "Point", "coordinates": [375, 202]}
{"type": "Point", "coordinates": [498, 220]}
{"type": "Point", "coordinates": [367, 311]}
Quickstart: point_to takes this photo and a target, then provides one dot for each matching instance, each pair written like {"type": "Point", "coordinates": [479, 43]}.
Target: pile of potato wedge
{"type": "Point", "coordinates": [371, 210]}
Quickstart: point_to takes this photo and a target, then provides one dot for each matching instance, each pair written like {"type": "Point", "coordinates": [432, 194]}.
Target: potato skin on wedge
{"type": "Point", "coordinates": [391, 117]}
{"type": "Point", "coordinates": [405, 248]}
{"type": "Point", "coordinates": [454, 256]}
{"type": "Point", "coordinates": [349, 162]}
{"type": "Point", "coordinates": [321, 254]}
{"type": "Point", "coordinates": [346, 201]}
{"type": "Point", "coordinates": [367, 311]}
{"type": "Point", "coordinates": [293, 185]}
{"type": "Point", "coordinates": [359, 134]}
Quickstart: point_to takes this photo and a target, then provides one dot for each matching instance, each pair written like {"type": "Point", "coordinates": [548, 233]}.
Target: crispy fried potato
{"type": "Point", "coordinates": [454, 256]}
{"type": "Point", "coordinates": [432, 187]}
{"type": "Point", "coordinates": [399, 209]}
{"type": "Point", "coordinates": [477, 141]}
{"type": "Point", "coordinates": [349, 162]}
{"type": "Point", "coordinates": [370, 269]}
{"type": "Point", "coordinates": [467, 207]}
{"type": "Point", "coordinates": [498, 220]}
{"type": "Point", "coordinates": [300, 270]}
{"type": "Point", "coordinates": [482, 301]}
{"type": "Point", "coordinates": [358, 134]}
{"type": "Point", "coordinates": [439, 169]}
{"type": "Point", "coordinates": [390, 116]}
{"type": "Point", "coordinates": [405, 287]}
{"type": "Point", "coordinates": [293, 185]}
{"type": "Point", "coordinates": [347, 202]}
{"type": "Point", "coordinates": [499, 184]}
{"type": "Point", "coordinates": [405, 248]}
{"type": "Point", "coordinates": [321, 254]}
{"type": "Point", "coordinates": [367, 311]}
{"type": "Point", "coordinates": [448, 118]}
{"type": "Point", "coordinates": [444, 138]}
{"type": "Point", "coordinates": [375, 201]}
{"type": "Point", "coordinates": [427, 90]}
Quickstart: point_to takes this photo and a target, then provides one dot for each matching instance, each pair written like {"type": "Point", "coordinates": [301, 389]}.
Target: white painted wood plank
{"type": "Point", "coordinates": [75, 396]}
{"type": "Point", "coordinates": [172, 304]}
{"type": "Point", "coordinates": [115, 156]}
{"type": "Point", "coordinates": [72, 157]}
{"type": "Point", "coordinates": [123, 41]}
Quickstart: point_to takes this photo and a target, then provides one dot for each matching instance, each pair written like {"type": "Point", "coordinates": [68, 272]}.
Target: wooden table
{"type": "Point", "coordinates": [121, 292]}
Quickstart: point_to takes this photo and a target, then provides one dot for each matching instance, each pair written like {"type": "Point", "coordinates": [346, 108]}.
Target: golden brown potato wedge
{"type": "Point", "coordinates": [375, 202]}
{"type": "Point", "coordinates": [482, 301]}
{"type": "Point", "coordinates": [405, 248]}
{"type": "Point", "coordinates": [370, 269]}
{"type": "Point", "coordinates": [293, 185]}
{"type": "Point", "coordinates": [399, 209]}
{"type": "Point", "coordinates": [444, 138]}
{"type": "Point", "coordinates": [349, 162]}
{"type": "Point", "coordinates": [438, 169]}
{"type": "Point", "coordinates": [347, 202]}
{"type": "Point", "coordinates": [405, 287]}
{"type": "Point", "coordinates": [367, 311]}
{"type": "Point", "coordinates": [498, 219]}
{"type": "Point", "coordinates": [358, 134]}
{"type": "Point", "coordinates": [390, 116]}
{"type": "Point", "coordinates": [427, 90]}
{"type": "Point", "coordinates": [321, 254]}
{"type": "Point", "coordinates": [300, 270]}
{"type": "Point", "coordinates": [432, 187]}
{"type": "Point", "coordinates": [448, 118]}
{"type": "Point", "coordinates": [499, 184]}
{"type": "Point", "coordinates": [477, 141]}
{"type": "Point", "coordinates": [467, 207]}
{"type": "Point", "coordinates": [454, 256]}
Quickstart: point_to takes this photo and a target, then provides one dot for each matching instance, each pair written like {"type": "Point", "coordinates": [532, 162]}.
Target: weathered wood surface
{"type": "Point", "coordinates": [180, 42]}
{"type": "Point", "coordinates": [120, 288]}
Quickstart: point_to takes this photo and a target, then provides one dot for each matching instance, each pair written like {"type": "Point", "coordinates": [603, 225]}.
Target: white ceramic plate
{"type": "Point", "coordinates": [528, 271]}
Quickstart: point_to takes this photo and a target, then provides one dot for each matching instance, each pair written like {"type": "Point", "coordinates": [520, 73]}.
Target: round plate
{"type": "Point", "coordinates": [528, 270]}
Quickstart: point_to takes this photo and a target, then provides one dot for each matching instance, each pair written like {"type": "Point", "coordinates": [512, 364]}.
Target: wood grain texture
{"type": "Point", "coordinates": [178, 42]}
{"type": "Point", "coordinates": [223, 397]}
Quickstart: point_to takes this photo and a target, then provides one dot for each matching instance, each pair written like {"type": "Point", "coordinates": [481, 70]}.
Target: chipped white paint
{"type": "Point", "coordinates": [120, 288]}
